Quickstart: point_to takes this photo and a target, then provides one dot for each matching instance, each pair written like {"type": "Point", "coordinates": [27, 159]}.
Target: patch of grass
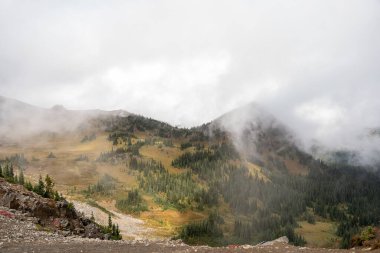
{"type": "Point", "coordinates": [320, 234]}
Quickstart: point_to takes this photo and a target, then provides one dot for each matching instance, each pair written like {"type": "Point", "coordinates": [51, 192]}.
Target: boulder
{"type": "Point", "coordinates": [93, 231]}
{"type": "Point", "coordinates": [283, 240]}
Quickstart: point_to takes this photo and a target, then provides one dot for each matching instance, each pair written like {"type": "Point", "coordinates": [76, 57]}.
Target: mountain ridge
{"type": "Point", "coordinates": [245, 182]}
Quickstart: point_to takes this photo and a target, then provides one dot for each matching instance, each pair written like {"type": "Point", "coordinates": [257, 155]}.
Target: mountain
{"type": "Point", "coordinates": [28, 120]}
{"type": "Point", "coordinates": [240, 179]}
{"type": "Point", "coordinates": [259, 136]}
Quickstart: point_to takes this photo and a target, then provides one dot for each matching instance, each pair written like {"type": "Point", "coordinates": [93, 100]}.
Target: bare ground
{"type": "Point", "coordinates": [130, 227]}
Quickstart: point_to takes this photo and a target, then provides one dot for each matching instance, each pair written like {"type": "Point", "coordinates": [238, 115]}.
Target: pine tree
{"type": "Point", "coordinates": [113, 229]}
{"type": "Point", "coordinates": [118, 231]}
{"type": "Point", "coordinates": [28, 186]}
{"type": "Point", "coordinates": [92, 216]}
{"type": "Point", "coordinates": [49, 184]}
{"type": "Point", "coordinates": [40, 187]}
{"type": "Point", "coordinates": [56, 196]}
{"type": "Point", "coordinates": [21, 179]}
{"type": "Point", "coordinates": [1, 171]}
{"type": "Point", "coordinates": [109, 222]}
{"type": "Point", "coordinates": [11, 172]}
{"type": "Point", "coordinates": [6, 171]}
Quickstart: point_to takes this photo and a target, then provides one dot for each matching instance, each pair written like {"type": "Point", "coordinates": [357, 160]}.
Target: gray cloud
{"type": "Point", "coordinates": [313, 64]}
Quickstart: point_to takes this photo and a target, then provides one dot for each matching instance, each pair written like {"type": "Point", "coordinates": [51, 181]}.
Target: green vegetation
{"type": "Point", "coordinates": [186, 145]}
{"type": "Point", "coordinates": [104, 186]}
{"type": "Point", "coordinates": [180, 189]}
{"type": "Point", "coordinates": [368, 233]}
{"type": "Point", "coordinates": [45, 188]}
{"type": "Point", "coordinates": [81, 158]}
{"type": "Point", "coordinates": [88, 138]}
{"type": "Point", "coordinates": [51, 155]}
{"type": "Point", "coordinates": [263, 209]}
{"type": "Point", "coordinates": [112, 230]}
{"type": "Point", "coordinates": [133, 203]}
{"type": "Point", "coordinates": [204, 231]}
{"type": "Point", "coordinates": [17, 160]}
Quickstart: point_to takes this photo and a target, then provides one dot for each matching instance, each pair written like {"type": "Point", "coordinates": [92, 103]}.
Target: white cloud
{"type": "Point", "coordinates": [187, 62]}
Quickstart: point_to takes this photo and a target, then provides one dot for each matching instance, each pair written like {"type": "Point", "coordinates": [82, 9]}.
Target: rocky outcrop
{"type": "Point", "coordinates": [53, 215]}
{"type": "Point", "coordinates": [282, 239]}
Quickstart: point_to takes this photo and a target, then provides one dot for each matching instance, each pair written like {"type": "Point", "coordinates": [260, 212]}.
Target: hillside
{"type": "Point", "coordinates": [29, 227]}
{"type": "Point", "coordinates": [241, 179]}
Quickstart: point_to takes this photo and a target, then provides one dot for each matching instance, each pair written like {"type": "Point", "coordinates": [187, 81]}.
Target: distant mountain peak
{"type": "Point", "coordinates": [58, 108]}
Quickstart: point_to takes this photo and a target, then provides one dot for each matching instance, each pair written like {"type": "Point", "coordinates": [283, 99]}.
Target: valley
{"type": "Point", "coordinates": [160, 181]}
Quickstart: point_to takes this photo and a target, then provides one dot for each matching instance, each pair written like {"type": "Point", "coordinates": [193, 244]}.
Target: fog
{"type": "Point", "coordinates": [19, 121]}
{"type": "Point", "coordinates": [312, 64]}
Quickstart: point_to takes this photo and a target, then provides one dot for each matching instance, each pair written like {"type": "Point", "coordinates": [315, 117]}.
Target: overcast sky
{"type": "Point", "coordinates": [313, 64]}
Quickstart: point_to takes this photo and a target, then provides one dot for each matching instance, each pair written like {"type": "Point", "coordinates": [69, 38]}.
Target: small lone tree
{"type": "Point", "coordinates": [11, 172]}
{"type": "Point", "coordinates": [21, 179]}
{"type": "Point", "coordinates": [51, 155]}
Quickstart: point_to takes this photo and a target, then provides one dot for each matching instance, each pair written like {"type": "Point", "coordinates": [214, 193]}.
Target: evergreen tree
{"type": "Point", "coordinates": [1, 171]}
{"type": "Point", "coordinates": [40, 187]}
{"type": "Point", "coordinates": [109, 222]}
{"type": "Point", "coordinates": [6, 171]}
{"type": "Point", "coordinates": [49, 184]}
{"type": "Point", "coordinates": [21, 179]}
{"type": "Point", "coordinates": [56, 196]}
{"type": "Point", "coordinates": [28, 186]}
{"type": "Point", "coordinates": [113, 229]}
{"type": "Point", "coordinates": [118, 231]}
{"type": "Point", "coordinates": [11, 172]}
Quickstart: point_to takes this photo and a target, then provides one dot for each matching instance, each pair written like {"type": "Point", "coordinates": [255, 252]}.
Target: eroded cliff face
{"type": "Point", "coordinates": [50, 214]}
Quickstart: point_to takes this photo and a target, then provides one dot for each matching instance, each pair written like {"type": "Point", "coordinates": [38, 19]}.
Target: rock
{"type": "Point", "coordinates": [282, 239]}
{"type": "Point", "coordinates": [33, 220]}
{"type": "Point", "coordinates": [107, 236]}
{"type": "Point", "coordinates": [8, 200]}
{"type": "Point", "coordinates": [93, 231]}
{"type": "Point", "coordinates": [65, 233]}
{"type": "Point", "coordinates": [64, 223]}
{"type": "Point", "coordinates": [79, 231]}
{"type": "Point", "coordinates": [54, 215]}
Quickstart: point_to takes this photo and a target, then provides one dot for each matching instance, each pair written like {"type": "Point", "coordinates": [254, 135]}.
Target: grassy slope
{"type": "Point", "coordinates": [321, 234]}
{"type": "Point", "coordinates": [70, 174]}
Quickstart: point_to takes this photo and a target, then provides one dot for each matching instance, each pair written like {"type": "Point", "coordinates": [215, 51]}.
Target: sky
{"type": "Point", "coordinates": [315, 65]}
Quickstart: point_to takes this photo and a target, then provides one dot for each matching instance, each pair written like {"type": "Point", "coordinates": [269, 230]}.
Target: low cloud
{"type": "Point", "coordinates": [313, 64]}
